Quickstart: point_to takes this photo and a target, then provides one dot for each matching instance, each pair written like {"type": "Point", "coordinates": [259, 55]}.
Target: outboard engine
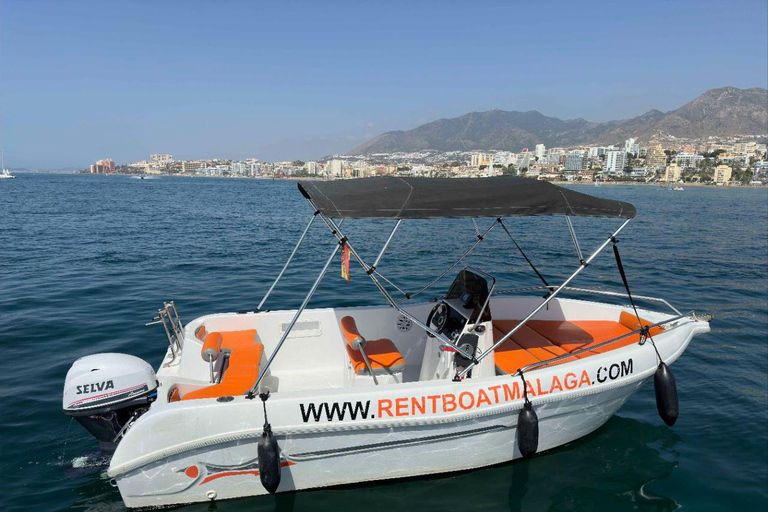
{"type": "Point", "coordinates": [103, 392]}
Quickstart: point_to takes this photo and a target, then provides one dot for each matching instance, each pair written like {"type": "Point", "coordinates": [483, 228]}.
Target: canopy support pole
{"type": "Point", "coordinates": [573, 237]}
{"type": "Point", "coordinates": [287, 263]}
{"type": "Point", "coordinates": [340, 236]}
{"type": "Point", "coordinates": [303, 306]}
{"type": "Point", "coordinates": [384, 248]}
{"type": "Point", "coordinates": [480, 238]}
{"type": "Point", "coordinates": [547, 300]}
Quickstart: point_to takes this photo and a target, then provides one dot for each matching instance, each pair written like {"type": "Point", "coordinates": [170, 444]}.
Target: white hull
{"type": "Point", "coordinates": [198, 450]}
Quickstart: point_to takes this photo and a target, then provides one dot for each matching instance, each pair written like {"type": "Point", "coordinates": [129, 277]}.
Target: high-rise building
{"type": "Point", "coordinates": [615, 161]}
{"type": "Point", "coordinates": [655, 158]}
{"type": "Point", "coordinates": [334, 168]}
{"type": "Point", "coordinates": [672, 173]}
{"type": "Point", "coordinates": [103, 166]}
{"type": "Point", "coordinates": [723, 174]}
{"type": "Point", "coordinates": [576, 161]}
{"type": "Point", "coordinates": [311, 168]}
{"type": "Point", "coordinates": [628, 145]}
{"type": "Point", "coordinates": [554, 158]}
{"type": "Point", "coordinates": [478, 159]}
{"type": "Point", "coordinates": [540, 150]}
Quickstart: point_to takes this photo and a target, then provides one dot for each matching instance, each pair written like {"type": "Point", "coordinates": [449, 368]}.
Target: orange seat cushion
{"type": "Point", "coordinates": [540, 340]}
{"type": "Point", "coordinates": [572, 336]}
{"type": "Point", "coordinates": [630, 321]}
{"type": "Point", "coordinates": [382, 354]}
{"type": "Point", "coordinates": [242, 370]}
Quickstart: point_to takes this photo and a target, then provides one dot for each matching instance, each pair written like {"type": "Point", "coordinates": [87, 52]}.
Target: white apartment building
{"type": "Point", "coordinates": [540, 150]}
{"type": "Point", "coordinates": [615, 161]}
{"type": "Point", "coordinates": [334, 168]}
{"type": "Point", "coordinates": [686, 160]}
{"type": "Point", "coordinates": [311, 168]}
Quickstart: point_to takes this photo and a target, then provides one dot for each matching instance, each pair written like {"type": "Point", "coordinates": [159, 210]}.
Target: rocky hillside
{"type": "Point", "coordinates": [719, 112]}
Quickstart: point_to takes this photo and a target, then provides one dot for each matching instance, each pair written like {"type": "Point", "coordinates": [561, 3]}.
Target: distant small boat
{"type": "Point", "coordinates": [5, 174]}
{"type": "Point", "coordinates": [678, 188]}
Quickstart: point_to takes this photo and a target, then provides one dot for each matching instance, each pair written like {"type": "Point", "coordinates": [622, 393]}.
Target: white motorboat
{"type": "Point", "coordinates": [265, 401]}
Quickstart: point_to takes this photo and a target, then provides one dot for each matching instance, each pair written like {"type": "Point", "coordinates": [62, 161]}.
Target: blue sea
{"type": "Point", "coordinates": [86, 261]}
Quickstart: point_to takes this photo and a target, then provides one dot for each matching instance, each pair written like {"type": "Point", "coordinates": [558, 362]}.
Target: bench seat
{"type": "Point", "coordinates": [242, 370]}
{"type": "Point", "coordinates": [541, 340]}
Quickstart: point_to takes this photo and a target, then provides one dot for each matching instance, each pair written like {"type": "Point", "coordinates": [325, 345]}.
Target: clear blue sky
{"type": "Point", "coordinates": [82, 80]}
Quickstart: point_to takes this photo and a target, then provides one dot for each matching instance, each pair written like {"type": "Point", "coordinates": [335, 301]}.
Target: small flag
{"type": "Point", "coordinates": [345, 252]}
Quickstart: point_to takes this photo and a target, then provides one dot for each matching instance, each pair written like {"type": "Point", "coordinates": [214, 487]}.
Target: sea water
{"type": "Point", "coordinates": [85, 261]}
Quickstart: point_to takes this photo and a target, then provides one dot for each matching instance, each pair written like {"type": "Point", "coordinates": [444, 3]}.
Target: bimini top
{"type": "Point", "coordinates": [420, 198]}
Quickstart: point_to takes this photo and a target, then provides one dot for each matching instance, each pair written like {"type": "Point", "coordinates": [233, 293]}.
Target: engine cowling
{"type": "Point", "coordinates": [105, 391]}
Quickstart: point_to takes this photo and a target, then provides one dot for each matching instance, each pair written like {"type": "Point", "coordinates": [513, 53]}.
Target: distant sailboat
{"type": "Point", "coordinates": [5, 174]}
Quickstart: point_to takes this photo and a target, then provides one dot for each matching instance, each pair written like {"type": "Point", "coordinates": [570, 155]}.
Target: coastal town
{"type": "Point", "coordinates": [728, 161]}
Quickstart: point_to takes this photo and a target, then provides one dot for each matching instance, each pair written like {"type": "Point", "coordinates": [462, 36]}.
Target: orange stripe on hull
{"type": "Point", "coordinates": [254, 472]}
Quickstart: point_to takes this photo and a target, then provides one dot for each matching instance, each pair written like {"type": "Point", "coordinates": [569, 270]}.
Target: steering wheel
{"type": "Point", "coordinates": [438, 317]}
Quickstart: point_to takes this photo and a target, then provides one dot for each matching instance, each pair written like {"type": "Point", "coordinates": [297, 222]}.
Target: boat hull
{"type": "Point", "coordinates": [406, 430]}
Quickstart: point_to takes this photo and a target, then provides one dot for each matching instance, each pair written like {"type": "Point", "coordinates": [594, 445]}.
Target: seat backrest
{"type": "Point", "coordinates": [351, 333]}
{"type": "Point", "coordinates": [630, 322]}
{"type": "Point", "coordinates": [211, 347]}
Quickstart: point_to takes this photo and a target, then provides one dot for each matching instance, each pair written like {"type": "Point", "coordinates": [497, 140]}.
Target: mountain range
{"type": "Point", "coordinates": [718, 112]}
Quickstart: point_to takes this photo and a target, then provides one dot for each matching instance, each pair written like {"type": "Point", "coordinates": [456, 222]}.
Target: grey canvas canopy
{"type": "Point", "coordinates": [420, 198]}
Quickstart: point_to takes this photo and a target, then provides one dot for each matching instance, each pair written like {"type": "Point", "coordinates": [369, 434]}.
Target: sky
{"type": "Point", "coordinates": [284, 80]}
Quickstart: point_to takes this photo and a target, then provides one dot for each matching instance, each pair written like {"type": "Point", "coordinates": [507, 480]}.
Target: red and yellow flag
{"type": "Point", "coordinates": [345, 253]}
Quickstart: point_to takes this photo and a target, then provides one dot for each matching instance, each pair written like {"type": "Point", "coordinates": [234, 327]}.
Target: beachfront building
{"type": "Point", "coordinates": [615, 161]}
{"type": "Point", "coordinates": [722, 174]}
{"type": "Point", "coordinates": [311, 168]}
{"type": "Point", "coordinates": [103, 166]}
{"type": "Point", "coordinates": [688, 160]}
{"type": "Point", "coordinates": [540, 150]}
{"type": "Point", "coordinates": [672, 173]}
{"type": "Point", "coordinates": [334, 168]}
{"type": "Point", "coordinates": [655, 158]}
{"type": "Point", "coordinates": [576, 161]}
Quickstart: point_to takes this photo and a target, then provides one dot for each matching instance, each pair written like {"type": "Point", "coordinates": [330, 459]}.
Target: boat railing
{"type": "Point", "coordinates": [641, 331]}
{"type": "Point", "coordinates": [168, 316]}
{"type": "Point", "coordinates": [590, 290]}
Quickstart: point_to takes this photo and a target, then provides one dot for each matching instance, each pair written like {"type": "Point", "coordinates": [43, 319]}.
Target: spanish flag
{"type": "Point", "coordinates": [345, 252]}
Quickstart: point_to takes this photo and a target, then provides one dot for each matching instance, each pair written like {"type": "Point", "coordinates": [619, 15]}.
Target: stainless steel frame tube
{"type": "Point", "coordinates": [548, 299]}
{"type": "Point", "coordinates": [290, 258]}
{"type": "Point", "coordinates": [303, 306]}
